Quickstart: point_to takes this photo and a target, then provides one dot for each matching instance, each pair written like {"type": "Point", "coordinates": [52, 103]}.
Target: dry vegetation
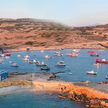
{"type": "Point", "coordinates": [16, 33]}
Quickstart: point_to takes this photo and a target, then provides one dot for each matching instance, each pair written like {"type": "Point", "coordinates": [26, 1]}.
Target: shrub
{"type": "Point", "coordinates": [29, 43]}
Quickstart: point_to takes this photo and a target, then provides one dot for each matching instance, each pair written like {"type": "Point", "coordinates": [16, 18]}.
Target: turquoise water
{"type": "Point", "coordinates": [34, 100]}
{"type": "Point", "coordinates": [75, 70]}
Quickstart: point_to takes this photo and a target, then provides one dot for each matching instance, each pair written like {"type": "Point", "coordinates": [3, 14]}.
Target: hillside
{"type": "Point", "coordinates": [26, 32]}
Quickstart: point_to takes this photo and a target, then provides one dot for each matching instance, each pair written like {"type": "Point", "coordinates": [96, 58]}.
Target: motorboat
{"type": "Point", "coordinates": [35, 61]}
{"type": "Point", "coordinates": [18, 55]}
{"type": "Point", "coordinates": [96, 55]}
{"type": "Point", "coordinates": [106, 77]}
{"type": "Point", "coordinates": [69, 54]}
{"type": "Point", "coordinates": [41, 64]}
{"type": "Point", "coordinates": [74, 55]}
{"type": "Point", "coordinates": [47, 57]}
{"type": "Point", "coordinates": [58, 54]}
{"type": "Point", "coordinates": [75, 50]}
{"type": "Point", "coordinates": [102, 61]}
{"type": "Point", "coordinates": [91, 72]}
{"type": "Point", "coordinates": [91, 52]}
{"type": "Point", "coordinates": [45, 68]}
{"type": "Point", "coordinates": [97, 64]}
{"type": "Point", "coordinates": [14, 65]}
{"type": "Point", "coordinates": [7, 54]}
{"type": "Point", "coordinates": [61, 63]}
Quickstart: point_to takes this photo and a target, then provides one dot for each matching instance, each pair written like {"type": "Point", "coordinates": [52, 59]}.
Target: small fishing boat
{"type": "Point", "coordinates": [2, 55]}
{"type": "Point", "coordinates": [45, 68]}
{"type": "Point", "coordinates": [75, 50]}
{"type": "Point", "coordinates": [91, 72]}
{"type": "Point", "coordinates": [102, 61]}
{"type": "Point", "coordinates": [69, 54]}
{"type": "Point", "coordinates": [35, 61]}
{"type": "Point", "coordinates": [7, 54]}
{"type": "Point", "coordinates": [58, 54]}
{"type": "Point", "coordinates": [41, 64]}
{"type": "Point", "coordinates": [96, 55]}
{"type": "Point", "coordinates": [18, 55]}
{"type": "Point", "coordinates": [47, 57]}
{"type": "Point", "coordinates": [91, 52]}
{"type": "Point", "coordinates": [74, 55]}
{"type": "Point", "coordinates": [61, 63]}
{"type": "Point", "coordinates": [14, 65]}
{"type": "Point", "coordinates": [106, 77]}
{"type": "Point", "coordinates": [97, 64]}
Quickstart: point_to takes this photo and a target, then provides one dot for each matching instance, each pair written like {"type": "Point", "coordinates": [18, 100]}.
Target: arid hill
{"type": "Point", "coordinates": [26, 32]}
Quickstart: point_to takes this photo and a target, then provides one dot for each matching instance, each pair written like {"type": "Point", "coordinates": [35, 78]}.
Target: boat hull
{"type": "Point", "coordinates": [100, 61]}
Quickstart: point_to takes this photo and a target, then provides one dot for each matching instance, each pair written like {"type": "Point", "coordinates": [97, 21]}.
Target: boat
{"type": "Point", "coordinates": [92, 72]}
{"type": "Point", "coordinates": [58, 54]}
{"type": "Point", "coordinates": [106, 77]}
{"type": "Point", "coordinates": [69, 54]}
{"type": "Point", "coordinates": [14, 65]}
{"type": "Point", "coordinates": [2, 55]}
{"type": "Point", "coordinates": [7, 54]}
{"type": "Point", "coordinates": [97, 64]}
{"type": "Point", "coordinates": [96, 55]}
{"type": "Point", "coordinates": [76, 51]}
{"type": "Point", "coordinates": [91, 52]}
{"type": "Point", "coordinates": [41, 64]}
{"type": "Point", "coordinates": [74, 55]}
{"type": "Point", "coordinates": [18, 55]}
{"type": "Point", "coordinates": [47, 57]}
{"type": "Point", "coordinates": [102, 61]}
{"type": "Point", "coordinates": [35, 61]}
{"type": "Point", "coordinates": [45, 68]}
{"type": "Point", "coordinates": [61, 63]}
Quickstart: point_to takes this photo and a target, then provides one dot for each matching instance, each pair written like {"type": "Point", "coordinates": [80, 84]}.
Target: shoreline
{"type": "Point", "coordinates": [85, 92]}
{"type": "Point", "coordinates": [89, 45]}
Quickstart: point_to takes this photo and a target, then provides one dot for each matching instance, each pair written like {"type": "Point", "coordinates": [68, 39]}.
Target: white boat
{"type": "Point", "coordinates": [47, 57]}
{"type": "Point", "coordinates": [61, 63]}
{"type": "Point", "coordinates": [41, 64]}
{"type": "Point", "coordinates": [92, 72]}
{"type": "Point", "coordinates": [14, 65]}
{"type": "Point", "coordinates": [35, 61]}
{"type": "Point", "coordinates": [106, 77]}
{"type": "Point", "coordinates": [18, 55]}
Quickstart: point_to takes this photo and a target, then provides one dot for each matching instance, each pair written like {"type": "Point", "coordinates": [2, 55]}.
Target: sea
{"type": "Point", "coordinates": [75, 70]}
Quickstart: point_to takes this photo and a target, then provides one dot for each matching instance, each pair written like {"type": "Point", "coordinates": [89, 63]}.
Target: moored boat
{"type": "Point", "coordinates": [106, 77]}
{"type": "Point", "coordinates": [47, 57]}
{"type": "Point", "coordinates": [45, 68]}
{"type": "Point", "coordinates": [102, 61]}
{"type": "Point", "coordinates": [41, 63]}
{"type": "Point", "coordinates": [14, 65]}
{"type": "Point", "coordinates": [74, 55]}
{"type": "Point", "coordinates": [91, 72]}
{"type": "Point", "coordinates": [75, 50]}
{"type": "Point", "coordinates": [91, 52]}
{"type": "Point", "coordinates": [96, 55]}
{"type": "Point", "coordinates": [61, 63]}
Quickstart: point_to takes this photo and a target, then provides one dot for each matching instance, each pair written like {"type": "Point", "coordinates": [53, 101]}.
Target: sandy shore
{"type": "Point", "coordinates": [89, 45]}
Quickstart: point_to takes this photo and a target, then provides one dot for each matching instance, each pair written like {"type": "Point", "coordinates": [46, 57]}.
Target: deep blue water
{"type": "Point", "coordinates": [78, 66]}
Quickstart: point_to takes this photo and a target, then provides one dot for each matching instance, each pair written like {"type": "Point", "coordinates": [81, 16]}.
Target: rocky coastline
{"type": "Point", "coordinates": [86, 92]}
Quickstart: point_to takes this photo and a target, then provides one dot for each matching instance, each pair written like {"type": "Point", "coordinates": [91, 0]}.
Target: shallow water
{"type": "Point", "coordinates": [35, 100]}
